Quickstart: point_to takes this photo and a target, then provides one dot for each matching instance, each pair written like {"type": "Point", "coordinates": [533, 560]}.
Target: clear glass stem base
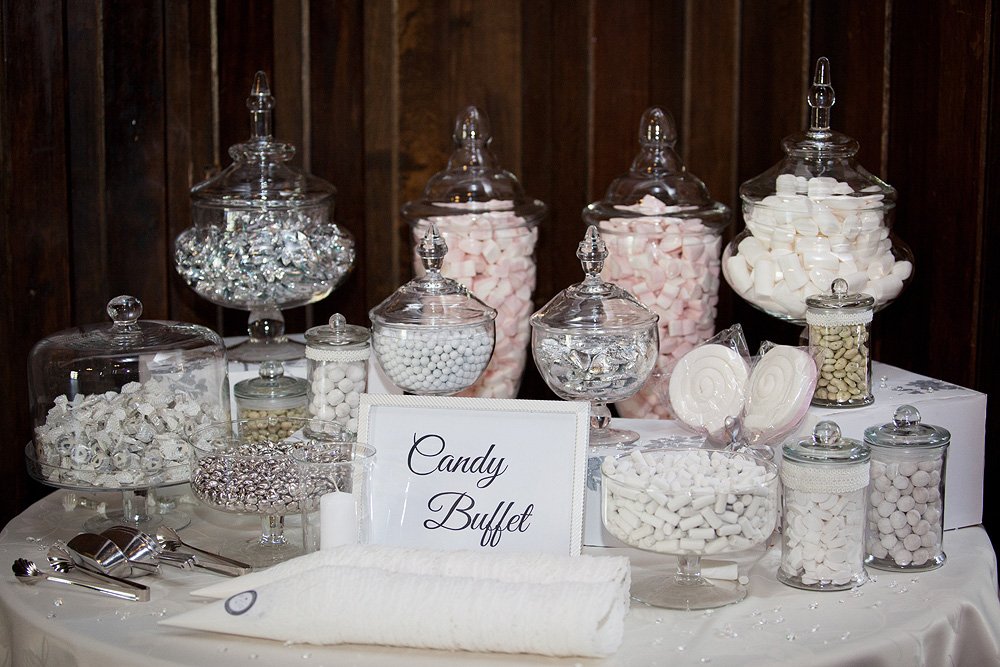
{"type": "Point", "coordinates": [601, 433]}
{"type": "Point", "coordinates": [272, 546]}
{"type": "Point", "coordinates": [685, 589]}
{"type": "Point", "coordinates": [135, 513]}
{"type": "Point", "coordinates": [267, 340]}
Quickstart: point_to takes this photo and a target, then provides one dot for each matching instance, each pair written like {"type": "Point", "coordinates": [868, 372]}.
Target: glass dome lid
{"type": "Point", "coordinates": [259, 176]}
{"type": "Point", "coordinates": [658, 171]}
{"type": "Point", "coordinates": [593, 303]}
{"type": "Point", "coordinates": [432, 299]}
{"type": "Point", "coordinates": [473, 178]}
{"type": "Point", "coordinates": [826, 445]}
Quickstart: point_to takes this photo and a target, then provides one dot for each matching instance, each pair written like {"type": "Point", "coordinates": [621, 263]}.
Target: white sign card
{"type": "Point", "coordinates": [477, 473]}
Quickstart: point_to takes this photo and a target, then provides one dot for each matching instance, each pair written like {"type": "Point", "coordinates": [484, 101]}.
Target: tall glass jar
{"type": "Point", "coordinates": [491, 228]}
{"type": "Point", "coordinates": [815, 216]}
{"type": "Point", "coordinates": [824, 500]}
{"type": "Point", "coordinates": [663, 233]}
{"type": "Point", "coordinates": [839, 326]}
{"type": "Point", "coordinates": [906, 498]}
{"type": "Point", "coordinates": [337, 361]}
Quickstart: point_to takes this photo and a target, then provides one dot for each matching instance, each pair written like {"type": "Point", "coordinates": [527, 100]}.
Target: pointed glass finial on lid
{"type": "Point", "coordinates": [592, 252]}
{"type": "Point", "coordinates": [821, 99]}
{"type": "Point", "coordinates": [260, 104]}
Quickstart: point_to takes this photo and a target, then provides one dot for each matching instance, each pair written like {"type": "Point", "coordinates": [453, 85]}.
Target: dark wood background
{"type": "Point", "coordinates": [111, 109]}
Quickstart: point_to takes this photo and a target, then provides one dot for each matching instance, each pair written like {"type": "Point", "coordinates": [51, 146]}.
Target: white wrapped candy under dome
{"type": "Point", "coordinates": [816, 216]}
{"type": "Point", "coordinates": [432, 336]}
{"type": "Point", "coordinates": [689, 503]}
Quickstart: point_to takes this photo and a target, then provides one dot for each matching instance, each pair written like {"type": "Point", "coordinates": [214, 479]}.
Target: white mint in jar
{"type": "Point", "coordinates": [491, 228]}
{"type": "Point", "coordinates": [906, 497]}
{"type": "Point", "coordinates": [839, 326]}
{"type": "Point", "coordinates": [337, 366]}
{"type": "Point", "coordinates": [824, 501]}
{"type": "Point", "coordinates": [663, 233]}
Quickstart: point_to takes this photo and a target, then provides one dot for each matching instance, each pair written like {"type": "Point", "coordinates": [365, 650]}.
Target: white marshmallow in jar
{"type": "Point", "coordinates": [906, 497]}
{"type": "Point", "coordinates": [491, 229]}
{"type": "Point", "coordinates": [814, 217]}
{"type": "Point", "coordinates": [839, 328]}
{"type": "Point", "coordinates": [824, 502]}
{"type": "Point", "coordinates": [663, 234]}
{"type": "Point", "coordinates": [337, 356]}
{"type": "Point", "coordinates": [432, 336]}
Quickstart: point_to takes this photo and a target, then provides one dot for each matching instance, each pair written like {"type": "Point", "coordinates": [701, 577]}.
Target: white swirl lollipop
{"type": "Point", "coordinates": [707, 386]}
{"type": "Point", "coordinates": [778, 394]}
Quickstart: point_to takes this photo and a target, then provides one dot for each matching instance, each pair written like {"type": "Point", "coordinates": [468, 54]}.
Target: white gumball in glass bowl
{"type": "Point", "coordinates": [689, 503]}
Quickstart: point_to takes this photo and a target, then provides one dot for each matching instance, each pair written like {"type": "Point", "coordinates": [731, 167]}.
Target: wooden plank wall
{"type": "Point", "coordinates": [111, 109]}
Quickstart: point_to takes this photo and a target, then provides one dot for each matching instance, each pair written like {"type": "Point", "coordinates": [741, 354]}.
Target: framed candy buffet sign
{"type": "Point", "coordinates": [476, 473]}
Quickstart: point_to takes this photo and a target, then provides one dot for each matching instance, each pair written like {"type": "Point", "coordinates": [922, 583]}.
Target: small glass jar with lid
{"type": "Point", "coordinates": [491, 228]}
{"type": "Point", "coordinates": [663, 232]}
{"type": "Point", "coordinates": [595, 342]}
{"type": "Point", "coordinates": [337, 365]}
{"type": "Point", "coordinates": [432, 336]}
{"type": "Point", "coordinates": [824, 481]}
{"type": "Point", "coordinates": [113, 404]}
{"type": "Point", "coordinates": [839, 327]}
{"type": "Point", "coordinates": [815, 216]}
{"type": "Point", "coordinates": [906, 498]}
{"type": "Point", "coordinates": [272, 398]}
{"type": "Point", "coordinates": [262, 236]}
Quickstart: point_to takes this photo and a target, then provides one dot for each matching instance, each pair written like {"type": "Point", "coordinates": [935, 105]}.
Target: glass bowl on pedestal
{"type": "Point", "coordinates": [595, 342]}
{"type": "Point", "coordinates": [112, 405]}
{"type": "Point", "coordinates": [262, 237]}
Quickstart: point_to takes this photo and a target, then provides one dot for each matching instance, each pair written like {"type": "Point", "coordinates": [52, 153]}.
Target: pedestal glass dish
{"type": "Point", "coordinates": [113, 404]}
{"type": "Point", "coordinates": [491, 228]}
{"type": "Point", "coordinates": [262, 237]}
{"type": "Point", "coordinates": [247, 467]}
{"type": "Point", "coordinates": [652, 501]}
{"type": "Point", "coordinates": [432, 336]}
{"type": "Point", "coordinates": [595, 342]}
{"type": "Point", "coordinates": [815, 216]}
{"type": "Point", "coordinates": [663, 233]}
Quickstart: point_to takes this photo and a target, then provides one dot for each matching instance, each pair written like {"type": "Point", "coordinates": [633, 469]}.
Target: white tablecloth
{"type": "Point", "coordinates": [950, 616]}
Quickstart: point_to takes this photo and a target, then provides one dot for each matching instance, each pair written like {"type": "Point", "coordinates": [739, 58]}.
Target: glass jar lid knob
{"type": "Point", "coordinates": [592, 252]}
{"type": "Point", "coordinates": [906, 416]}
{"type": "Point", "coordinates": [432, 250]}
{"type": "Point", "coordinates": [826, 434]}
{"type": "Point", "coordinates": [124, 310]}
{"type": "Point", "coordinates": [272, 371]}
{"type": "Point", "coordinates": [260, 104]}
{"type": "Point", "coordinates": [821, 100]}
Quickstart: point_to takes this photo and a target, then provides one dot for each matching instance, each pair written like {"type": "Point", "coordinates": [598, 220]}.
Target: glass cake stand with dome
{"type": "Point", "coordinates": [594, 341]}
{"type": "Point", "coordinates": [262, 237]}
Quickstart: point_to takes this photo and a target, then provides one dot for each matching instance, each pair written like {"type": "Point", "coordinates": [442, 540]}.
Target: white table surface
{"type": "Point", "coordinates": [949, 616]}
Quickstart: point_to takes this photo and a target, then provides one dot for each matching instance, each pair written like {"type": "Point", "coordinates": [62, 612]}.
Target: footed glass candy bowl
{"type": "Point", "coordinates": [689, 503]}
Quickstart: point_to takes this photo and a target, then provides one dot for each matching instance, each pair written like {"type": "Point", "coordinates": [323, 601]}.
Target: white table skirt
{"type": "Point", "coordinates": [950, 616]}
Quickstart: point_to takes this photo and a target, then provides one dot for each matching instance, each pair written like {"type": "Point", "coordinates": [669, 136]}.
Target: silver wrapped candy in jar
{"type": "Point", "coordinates": [824, 498]}
{"type": "Point", "coordinates": [906, 498]}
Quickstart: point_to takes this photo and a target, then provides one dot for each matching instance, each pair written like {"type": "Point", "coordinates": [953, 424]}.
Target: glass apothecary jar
{"type": "Point", "coordinates": [595, 342]}
{"type": "Point", "coordinates": [839, 328]}
{"type": "Point", "coordinates": [663, 232]}
{"type": "Point", "coordinates": [432, 336]}
{"type": "Point", "coordinates": [815, 216]}
{"type": "Point", "coordinates": [112, 404]}
{"type": "Point", "coordinates": [262, 237]}
{"type": "Point", "coordinates": [337, 365]}
{"type": "Point", "coordinates": [824, 502]}
{"type": "Point", "coordinates": [272, 397]}
{"type": "Point", "coordinates": [906, 497]}
{"type": "Point", "coordinates": [491, 228]}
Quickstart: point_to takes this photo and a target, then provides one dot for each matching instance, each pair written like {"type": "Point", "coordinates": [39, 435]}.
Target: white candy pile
{"type": "Point", "coordinates": [492, 253]}
{"type": "Point", "coordinates": [823, 537]}
{"type": "Point", "coordinates": [436, 361]}
{"type": "Point", "coordinates": [697, 502]}
{"type": "Point", "coordinates": [671, 265]}
{"type": "Point", "coordinates": [808, 233]}
{"type": "Point", "coordinates": [905, 511]}
{"type": "Point", "coordinates": [335, 391]}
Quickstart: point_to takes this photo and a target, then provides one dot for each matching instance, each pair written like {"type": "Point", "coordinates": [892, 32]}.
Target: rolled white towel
{"type": "Point", "coordinates": [358, 605]}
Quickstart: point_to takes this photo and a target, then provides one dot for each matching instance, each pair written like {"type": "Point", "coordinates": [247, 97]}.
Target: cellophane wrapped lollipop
{"type": "Point", "coordinates": [778, 393]}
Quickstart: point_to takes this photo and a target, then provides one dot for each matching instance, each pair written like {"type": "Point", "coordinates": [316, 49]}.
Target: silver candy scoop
{"type": "Point", "coordinates": [61, 560]}
{"type": "Point", "coordinates": [140, 547]}
{"type": "Point", "coordinates": [27, 572]}
{"type": "Point", "coordinates": [105, 556]}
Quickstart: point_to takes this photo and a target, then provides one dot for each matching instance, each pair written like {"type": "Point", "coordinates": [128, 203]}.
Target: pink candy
{"type": "Point", "coordinates": [492, 253]}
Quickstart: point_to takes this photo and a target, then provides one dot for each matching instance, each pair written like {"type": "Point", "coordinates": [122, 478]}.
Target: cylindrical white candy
{"type": "Point", "coordinates": [338, 520]}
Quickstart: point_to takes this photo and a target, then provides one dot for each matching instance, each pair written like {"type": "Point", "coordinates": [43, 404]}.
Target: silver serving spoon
{"type": "Point", "coordinates": [27, 572]}
{"type": "Point", "coordinates": [171, 541]}
{"type": "Point", "coordinates": [140, 547]}
{"type": "Point", "coordinates": [61, 560]}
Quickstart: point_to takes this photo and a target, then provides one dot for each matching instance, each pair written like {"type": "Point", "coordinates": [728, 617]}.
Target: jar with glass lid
{"type": "Point", "coordinates": [432, 336]}
{"type": "Point", "coordinates": [273, 398]}
{"type": "Point", "coordinates": [824, 481]}
{"type": "Point", "coordinates": [839, 329]}
{"type": "Point", "coordinates": [337, 356]}
{"type": "Point", "coordinates": [663, 232]}
{"type": "Point", "coordinates": [491, 228]}
{"type": "Point", "coordinates": [906, 498]}
{"type": "Point", "coordinates": [813, 217]}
